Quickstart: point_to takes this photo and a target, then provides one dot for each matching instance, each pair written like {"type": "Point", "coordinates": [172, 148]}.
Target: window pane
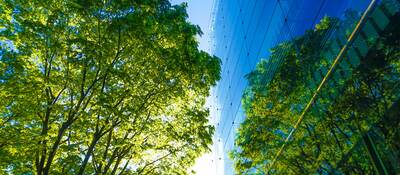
{"type": "Point", "coordinates": [380, 18]}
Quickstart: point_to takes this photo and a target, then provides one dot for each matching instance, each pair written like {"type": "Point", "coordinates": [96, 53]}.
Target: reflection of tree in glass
{"type": "Point", "coordinates": [332, 136]}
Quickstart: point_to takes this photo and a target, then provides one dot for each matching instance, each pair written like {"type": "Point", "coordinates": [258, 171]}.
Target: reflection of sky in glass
{"type": "Point", "coordinates": [244, 32]}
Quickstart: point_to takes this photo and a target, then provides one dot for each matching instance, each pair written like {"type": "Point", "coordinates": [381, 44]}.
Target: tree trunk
{"type": "Point", "coordinates": [89, 152]}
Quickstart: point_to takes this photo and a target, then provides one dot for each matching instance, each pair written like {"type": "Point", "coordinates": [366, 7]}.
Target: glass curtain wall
{"type": "Point", "coordinates": [326, 101]}
{"type": "Point", "coordinates": [246, 31]}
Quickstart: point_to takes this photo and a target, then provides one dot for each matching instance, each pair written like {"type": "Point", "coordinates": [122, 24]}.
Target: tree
{"type": "Point", "coordinates": [102, 87]}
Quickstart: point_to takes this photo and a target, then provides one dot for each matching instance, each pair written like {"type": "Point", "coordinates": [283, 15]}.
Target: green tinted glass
{"type": "Point", "coordinates": [361, 46]}
{"type": "Point", "coordinates": [379, 17]}
{"type": "Point", "coordinates": [370, 32]}
{"type": "Point", "coordinates": [353, 58]}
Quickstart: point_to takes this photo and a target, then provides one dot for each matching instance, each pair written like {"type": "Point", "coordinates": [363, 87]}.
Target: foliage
{"type": "Point", "coordinates": [102, 87]}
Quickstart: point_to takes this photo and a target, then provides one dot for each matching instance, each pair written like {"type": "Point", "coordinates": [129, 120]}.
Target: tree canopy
{"type": "Point", "coordinates": [102, 87]}
{"type": "Point", "coordinates": [353, 106]}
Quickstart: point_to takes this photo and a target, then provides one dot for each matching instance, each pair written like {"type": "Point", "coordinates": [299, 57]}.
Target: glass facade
{"type": "Point", "coordinates": [246, 31]}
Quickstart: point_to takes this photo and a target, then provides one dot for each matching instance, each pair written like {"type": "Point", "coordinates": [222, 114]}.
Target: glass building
{"type": "Point", "coordinates": [245, 31]}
